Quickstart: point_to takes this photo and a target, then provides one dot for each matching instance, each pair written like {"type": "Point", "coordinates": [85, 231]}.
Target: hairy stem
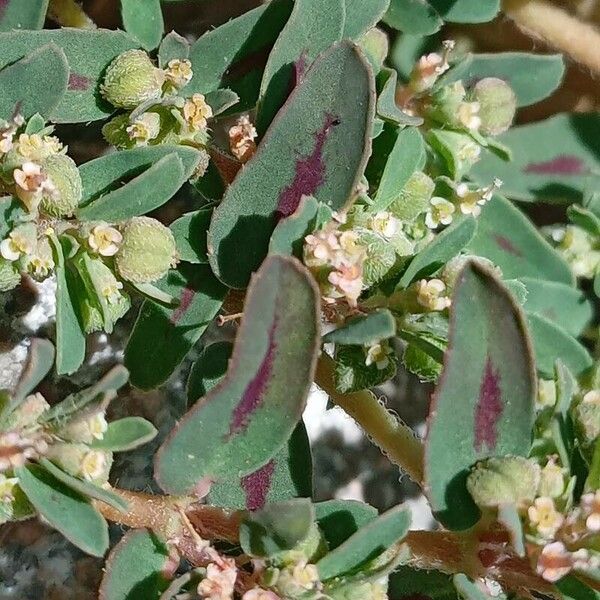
{"type": "Point", "coordinates": [395, 439]}
{"type": "Point", "coordinates": [545, 21]}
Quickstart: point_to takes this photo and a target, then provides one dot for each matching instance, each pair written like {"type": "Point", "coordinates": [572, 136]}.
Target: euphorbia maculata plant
{"type": "Point", "coordinates": [337, 201]}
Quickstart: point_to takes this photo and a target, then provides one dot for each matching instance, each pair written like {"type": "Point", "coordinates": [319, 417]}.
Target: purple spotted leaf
{"type": "Point", "coordinates": [553, 161]}
{"type": "Point", "coordinates": [317, 145]}
{"type": "Point", "coordinates": [243, 422]}
{"type": "Point", "coordinates": [81, 102]}
{"type": "Point", "coordinates": [484, 403]}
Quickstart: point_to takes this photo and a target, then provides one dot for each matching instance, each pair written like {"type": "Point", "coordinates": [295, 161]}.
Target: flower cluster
{"type": "Point", "coordinates": [157, 112]}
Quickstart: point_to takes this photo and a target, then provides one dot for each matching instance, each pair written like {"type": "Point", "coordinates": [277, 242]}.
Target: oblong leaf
{"type": "Point", "coordinates": [415, 17]}
{"type": "Point", "coordinates": [136, 568]}
{"type": "Point", "coordinates": [126, 434]}
{"type": "Point", "coordinates": [244, 421]}
{"type": "Point", "coordinates": [466, 11]}
{"type": "Point", "coordinates": [366, 544]}
{"type": "Point", "coordinates": [139, 196]}
{"type": "Point", "coordinates": [143, 20]}
{"type": "Point", "coordinates": [81, 102]}
{"type": "Point", "coordinates": [65, 510]}
{"type": "Point", "coordinates": [40, 359]}
{"type": "Point", "coordinates": [484, 403]}
{"type": "Point", "coordinates": [173, 331]}
{"type": "Point", "coordinates": [22, 14]}
{"type": "Point", "coordinates": [319, 141]}
{"type": "Point", "coordinates": [190, 232]}
{"type": "Point", "coordinates": [364, 329]}
{"type": "Point", "coordinates": [339, 519]}
{"type": "Point", "coordinates": [362, 16]}
{"type": "Point", "coordinates": [34, 84]}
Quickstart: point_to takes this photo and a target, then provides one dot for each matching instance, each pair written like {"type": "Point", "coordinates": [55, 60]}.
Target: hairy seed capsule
{"type": "Point", "coordinates": [509, 479]}
{"type": "Point", "coordinates": [66, 193]}
{"type": "Point", "coordinates": [131, 79]}
{"type": "Point", "coordinates": [147, 252]}
{"type": "Point", "coordinates": [497, 105]}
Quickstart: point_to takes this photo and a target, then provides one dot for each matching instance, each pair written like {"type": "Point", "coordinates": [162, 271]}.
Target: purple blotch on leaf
{"type": "Point", "coordinates": [3, 6]}
{"type": "Point", "coordinates": [489, 408]}
{"type": "Point", "coordinates": [564, 164]}
{"type": "Point", "coordinates": [256, 486]}
{"type": "Point", "coordinates": [78, 83]}
{"type": "Point", "coordinates": [253, 394]}
{"type": "Point", "coordinates": [506, 245]}
{"type": "Point", "coordinates": [309, 172]}
{"type": "Point", "coordinates": [184, 304]}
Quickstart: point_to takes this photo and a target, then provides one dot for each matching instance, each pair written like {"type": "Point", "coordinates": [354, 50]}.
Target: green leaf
{"type": "Point", "coordinates": [173, 332]}
{"type": "Point", "coordinates": [352, 374]}
{"type": "Point", "coordinates": [366, 544]}
{"type": "Point", "coordinates": [340, 519]}
{"type": "Point", "coordinates": [81, 102]}
{"type": "Point", "coordinates": [549, 341]}
{"type": "Point", "coordinates": [22, 14]}
{"type": "Point", "coordinates": [313, 26]}
{"type": "Point", "coordinates": [564, 305]}
{"type": "Point", "coordinates": [190, 232]}
{"type": "Point", "coordinates": [139, 196]}
{"type": "Point", "coordinates": [364, 329]}
{"type": "Point", "coordinates": [173, 46]}
{"type": "Point", "coordinates": [387, 108]}
{"type": "Point", "coordinates": [221, 100]}
{"type": "Point", "coordinates": [277, 528]}
{"type": "Point", "coordinates": [574, 589]}
{"type": "Point", "coordinates": [508, 238]}
{"type": "Point", "coordinates": [34, 84]}
{"type": "Point", "coordinates": [208, 370]}
{"type": "Point", "coordinates": [362, 16]}
{"type": "Point", "coordinates": [484, 403]}
{"type": "Point", "coordinates": [509, 518]}
{"type": "Point", "coordinates": [586, 219]}
{"type": "Point", "coordinates": [532, 77]}
{"type": "Point", "coordinates": [554, 160]}
{"type": "Point", "coordinates": [136, 568]}
{"type": "Point", "coordinates": [40, 359]}
{"type": "Point", "coordinates": [143, 20]}
{"type": "Point", "coordinates": [219, 51]}
{"type": "Point", "coordinates": [85, 488]}
{"type": "Point", "coordinates": [64, 509]}
{"type": "Point", "coordinates": [328, 117]}
{"type": "Point", "coordinates": [70, 338]}
{"type": "Point", "coordinates": [407, 155]}
{"type": "Point", "coordinates": [416, 17]}
{"type": "Point", "coordinates": [466, 11]}
{"type": "Point", "coordinates": [288, 235]}
{"type": "Point", "coordinates": [445, 246]}
{"type": "Point", "coordinates": [407, 583]}
{"type": "Point", "coordinates": [107, 173]}
{"type": "Point", "coordinates": [243, 422]}
{"type": "Point", "coordinates": [126, 434]}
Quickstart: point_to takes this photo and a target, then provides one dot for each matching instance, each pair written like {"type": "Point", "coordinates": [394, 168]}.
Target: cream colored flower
{"type": "Point", "coordinates": [7, 488]}
{"type": "Point", "coordinates": [29, 177]}
{"type": "Point", "coordinates": [17, 244]}
{"type": "Point", "coordinates": [112, 291]}
{"type": "Point", "coordinates": [469, 152]}
{"type": "Point", "coordinates": [347, 280]}
{"type": "Point", "coordinates": [145, 128]}
{"type": "Point", "coordinates": [196, 112]}
{"type": "Point", "coordinates": [544, 518]}
{"type": "Point", "coordinates": [105, 240]}
{"type": "Point", "coordinates": [258, 594]}
{"type": "Point", "coordinates": [179, 72]}
{"type": "Point", "coordinates": [349, 244]}
{"type": "Point", "coordinates": [546, 396]}
{"type": "Point", "coordinates": [378, 355]}
{"type": "Point", "coordinates": [97, 425]}
{"type": "Point", "coordinates": [441, 212]}
{"type": "Point", "coordinates": [93, 465]}
{"type": "Point", "coordinates": [385, 224]}
{"type": "Point", "coordinates": [554, 562]}
{"type": "Point", "coordinates": [593, 397]}
{"type": "Point", "coordinates": [431, 294]}
{"type": "Point", "coordinates": [219, 582]}
{"type": "Point", "coordinates": [242, 138]}
{"type": "Point", "coordinates": [305, 576]}
{"type": "Point", "coordinates": [468, 115]}
{"type": "Point", "coordinates": [6, 140]}
{"type": "Point", "coordinates": [320, 248]}
{"type": "Point", "coordinates": [429, 68]}
{"type": "Point", "coordinates": [470, 201]}
{"type": "Point", "coordinates": [590, 503]}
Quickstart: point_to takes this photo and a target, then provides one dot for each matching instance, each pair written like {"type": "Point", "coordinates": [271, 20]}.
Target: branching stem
{"type": "Point", "coordinates": [395, 439]}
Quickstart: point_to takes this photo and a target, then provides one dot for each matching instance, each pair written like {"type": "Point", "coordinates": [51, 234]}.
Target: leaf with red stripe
{"type": "Point", "coordinates": [316, 145]}
{"type": "Point", "coordinates": [162, 336]}
{"type": "Point", "coordinates": [484, 403]}
{"type": "Point", "coordinates": [245, 420]}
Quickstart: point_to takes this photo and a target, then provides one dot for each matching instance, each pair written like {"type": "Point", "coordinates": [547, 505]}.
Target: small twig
{"type": "Point", "coordinates": [222, 319]}
{"type": "Point", "coordinates": [395, 439]}
{"type": "Point", "coordinates": [545, 21]}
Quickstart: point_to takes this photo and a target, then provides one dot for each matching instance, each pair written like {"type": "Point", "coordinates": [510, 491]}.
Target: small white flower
{"type": "Point", "coordinates": [29, 177]}
{"type": "Point", "coordinates": [111, 291]}
{"type": "Point", "coordinates": [385, 224]}
{"type": "Point", "coordinates": [93, 465]}
{"type": "Point", "coordinates": [305, 576]}
{"type": "Point", "coordinates": [7, 488]}
{"type": "Point", "coordinates": [15, 246]}
{"type": "Point", "coordinates": [259, 594]}
{"type": "Point", "coordinates": [219, 583]}
{"type": "Point", "coordinates": [144, 128]}
{"type": "Point", "coordinates": [105, 240]}
{"type": "Point", "coordinates": [441, 212]}
{"type": "Point", "coordinates": [544, 518]}
{"type": "Point", "coordinates": [378, 354]}
{"type": "Point", "coordinates": [429, 68]}
{"type": "Point", "coordinates": [468, 115]}
{"type": "Point", "coordinates": [179, 72]}
{"type": "Point", "coordinates": [196, 112]}
{"type": "Point", "coordinates": [242, 138]}
{"type": "Point", "coordinates": [590, 503]}
{"type": "Point", "coordinates": [6, 141]}
{"type": "Point", "coordinates": [431, 295]}
{"type": "Point", "coordinates": [348, 281]}
{"type": "Point", "coordinates": [554, 562]}
{"type": "Point", "coordinates": [97, 425]}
